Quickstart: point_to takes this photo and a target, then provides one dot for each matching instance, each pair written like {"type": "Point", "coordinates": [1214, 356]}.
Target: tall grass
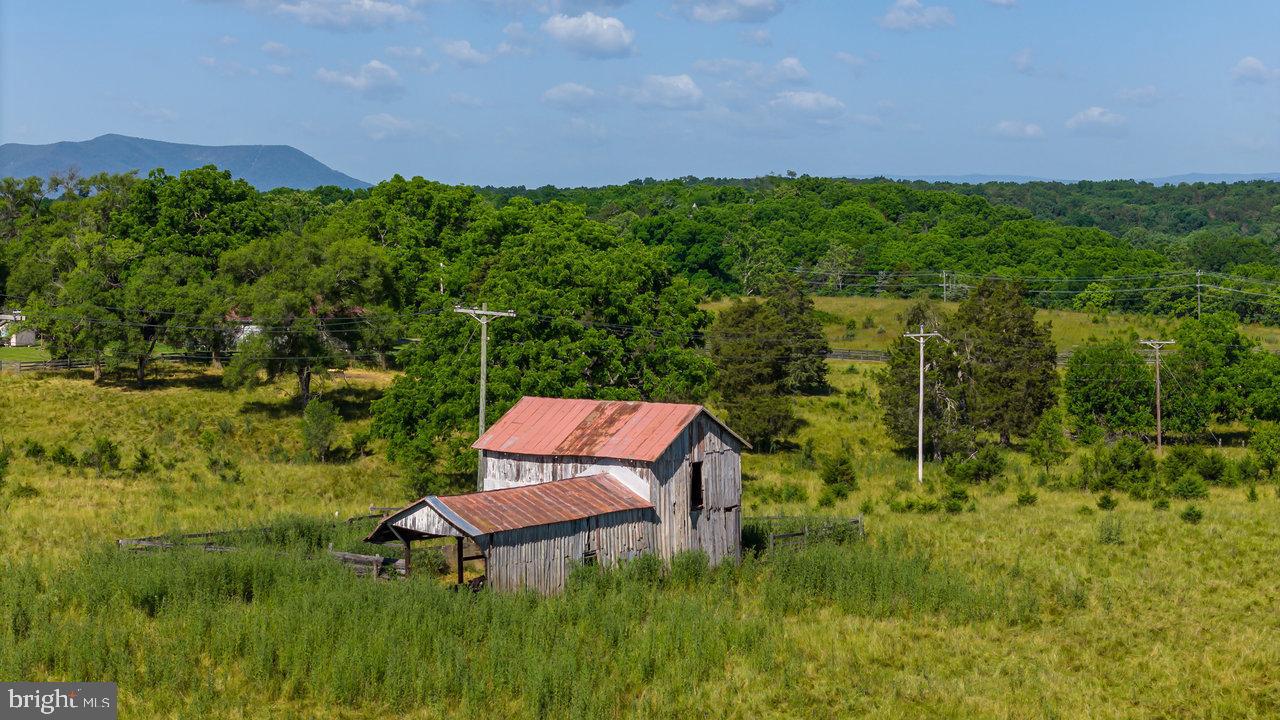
{"type": "Point", "coordinates": [636, 640]}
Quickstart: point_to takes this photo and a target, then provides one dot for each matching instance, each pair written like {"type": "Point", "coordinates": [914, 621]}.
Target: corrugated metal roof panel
{"type": "Point", "coordinates": [544, 504]}
{"type": "Point", "coordinates": [590, 428]}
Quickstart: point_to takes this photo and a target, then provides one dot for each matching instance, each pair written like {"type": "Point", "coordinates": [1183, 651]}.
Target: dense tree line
{"type": "Point", "coordinates": [862, 237]}
{"type": "Point", "coordinates": [607, 283]}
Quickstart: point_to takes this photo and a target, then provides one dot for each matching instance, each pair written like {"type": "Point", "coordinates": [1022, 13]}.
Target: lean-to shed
{"type": "Point", "coordinates": [590, 481]}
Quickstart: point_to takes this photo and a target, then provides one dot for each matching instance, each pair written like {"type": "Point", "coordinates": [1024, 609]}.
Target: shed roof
{"type": "Point", "coordinates": [482, 513]}
{"type": "Point", "coordinates": [592, 428]}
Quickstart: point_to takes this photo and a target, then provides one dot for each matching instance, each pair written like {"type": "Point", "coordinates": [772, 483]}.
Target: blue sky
{"type": "Point", "coordinates": [580, 92]}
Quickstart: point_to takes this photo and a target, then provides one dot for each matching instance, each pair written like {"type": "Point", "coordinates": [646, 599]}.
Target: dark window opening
{"type": "Point", "coordinates": [589, 558]}
{"type": "Point", "coordinates": [695, 486]}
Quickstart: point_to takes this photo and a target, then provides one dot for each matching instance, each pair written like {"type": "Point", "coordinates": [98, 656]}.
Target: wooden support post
{"type": "Point", "coordinates": [460, 561]}
{"type": "Point", "coordinates": [408, 556]}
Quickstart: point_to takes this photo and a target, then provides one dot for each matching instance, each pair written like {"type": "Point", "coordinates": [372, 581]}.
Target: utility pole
{"type": "Point", "coordinates": [921, 337]}
{"type": "Point", "coordinates": [483, 315]}
{"type": "Point", "coordinates": [1198, 294]}
{"type": "Point", "coordinates": [944, 285]}
{"type": "Point", "coordinates": [1156, 345]}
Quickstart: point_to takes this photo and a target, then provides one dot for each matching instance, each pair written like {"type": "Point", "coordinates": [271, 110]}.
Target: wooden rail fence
{"type": "Point", "coordinates": [784, 531]}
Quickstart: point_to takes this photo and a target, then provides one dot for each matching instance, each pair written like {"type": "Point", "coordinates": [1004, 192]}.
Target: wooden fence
{"type": "Point", "coordinates": [788, 531]}
{"type": "Point", "coordinates": [214, 541]}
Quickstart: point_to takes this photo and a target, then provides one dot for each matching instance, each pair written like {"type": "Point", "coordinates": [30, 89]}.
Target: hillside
{"type": "Point", "coordinates": [264, 166]}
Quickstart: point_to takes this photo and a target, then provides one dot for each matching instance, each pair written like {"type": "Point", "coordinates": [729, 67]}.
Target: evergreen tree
{"type": "Point", "coordinates": [806, 347]}
{"type": "Point", "coordinates": [947, 415]}
{"type": "Point", "coordinates": [751, 375]}
{"type": "Point", "coordinates": [1010, 359]}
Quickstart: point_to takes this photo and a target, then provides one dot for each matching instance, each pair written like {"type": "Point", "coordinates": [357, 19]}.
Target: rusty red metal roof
{"type": "Point", "coordinates": [590, 428]}
{"type": "Point", "coordinates": [492, 511]}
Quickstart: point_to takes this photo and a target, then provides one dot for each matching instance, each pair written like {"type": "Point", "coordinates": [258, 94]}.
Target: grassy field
{"type": "Point", "coordinates": [22, 354]}
{"type": "Point", "coordinates": [1003, 611]}
{"type": "Point", "coordinates": [867, 323]}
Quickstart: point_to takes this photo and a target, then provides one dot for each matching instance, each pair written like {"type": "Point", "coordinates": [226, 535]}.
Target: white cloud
{"type": "Point", "coordinates": [756, 36]}
{"type": "Point", "coordinates": [1145, 95]}
{"type": "Point", "coordinates": [1096, 121]}
{"type": "Point", "coordinates": [518, 42]}
{"type": "Point", "coordinates": [572, 95]}
{"type": "Point", "coordinates": [228, 40]}
{"type": "Point", "coordinates": [375, 80]}
{"type": "Point", "coordinates": [807, 101]}
{"type": "Point", "coordinates": [676, 92]}
{"type": "Point", "coordinates": [385, 126]}
{"type": "Point", "coordinates": [463, 53]}
{"type": "Point", "coordinates": [716, 11]}
{"type": "Point", "coordinates": [1018, 130]}
{"type": "Point", "coordinates": [857, 62]}
{"type": "Point", "coordinates": [229, 68]}
{"type": "Point", "coordinates": [786, 70]}
{"type": "Point", "coordinates": [413, 56]}
{"type": "Point", "coordinates": [1024, 62]}
{"type": "Point", "coordinates": [591, 35]}
{"type": "Point", "coordinates": [281, 70]}
{"type": "Point", "coordinates": [344, 15]}
{"type": "Point", "coordinates": [909, 15]}
{"type": "Point", "coordinates": [1252, 70]}
{"type": "Point", "coordinates": [276, 49]}
{"type": "Point", "coordinates": [1003, 3]}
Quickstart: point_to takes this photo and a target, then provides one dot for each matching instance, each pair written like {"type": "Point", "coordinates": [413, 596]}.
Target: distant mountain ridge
{"type": "Point", "coordinates": [264, 166]}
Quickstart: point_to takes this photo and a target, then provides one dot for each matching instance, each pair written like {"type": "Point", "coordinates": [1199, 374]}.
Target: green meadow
{"type": "Point", "coordinates": [1009, 608]}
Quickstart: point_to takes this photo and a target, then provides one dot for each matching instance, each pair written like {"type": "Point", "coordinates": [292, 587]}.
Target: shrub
{"type": "Point", "coordinates": [1189, 486]}
{"type": "Point", "coordinates": [33, 449]}
{"type": "Point", "coordinates": [5, 454]}
{"type": "Point", "coordinates": [1160, 503]}
{"type": "Point", "coordinates": [320, 421]}
{"type": "Point", "coordinates": [1127, 465]}
{"type": "Point", "coordinates": [808, 455]}
{"type": "Point", "coordinates": [983, 466]}
{"type": "Point", "coordinates": [143, 463]}
{"type": "Point", "coordinates": [831, 494]}
{"type": "Point", "coordinates": [1107, 502]}
{"type": "Point", "coordinates": [837, 471]}
{"type": "Point", "coordinates": [1192, 515]}
{"type": "Point", "coordinates": [1264, 441]}
{"type": "Point", "coordinates": [1213, 467]}
{"type": "Point", "coordinates": [955, 498]}
{"type": "Point", "coordinates": [360, 442]}
{"type": "Point", "coordinates": [64, 457]}
{"type": "Point", "coordinates": [102, 456]}
{"type": "Point", "coordinates": [1252, 495]}
{"type": "Point", "coordinates": [1245, 470]}
{"type": "Point", "coordinates": [1110, 531]}
{"type": "Point", "coordinates": [785, 492]}
{"type": "Point", "coordinates": [1026, 498]}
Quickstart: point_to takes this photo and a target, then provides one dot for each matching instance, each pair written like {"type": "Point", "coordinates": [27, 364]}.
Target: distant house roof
{"type": "Point", "coordinates": [592, 428]}
{"type": "Point", "coordinates": [491, 511]}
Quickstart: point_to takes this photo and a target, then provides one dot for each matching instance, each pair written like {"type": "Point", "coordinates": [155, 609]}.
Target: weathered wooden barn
{"type": "Point", "coordinates": [589, 481]}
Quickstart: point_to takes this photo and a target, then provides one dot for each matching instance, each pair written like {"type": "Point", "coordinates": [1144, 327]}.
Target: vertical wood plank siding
{"type": "Point", "coordinates": [541, 558]}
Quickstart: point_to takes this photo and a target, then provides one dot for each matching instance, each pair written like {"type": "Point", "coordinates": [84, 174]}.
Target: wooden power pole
{"type": "Point", "coordinates": [921, 337]}
{"type": "Point", "coordinates": [1157, 345]}
{"type": "Point", "coordinates": [483, 315]}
